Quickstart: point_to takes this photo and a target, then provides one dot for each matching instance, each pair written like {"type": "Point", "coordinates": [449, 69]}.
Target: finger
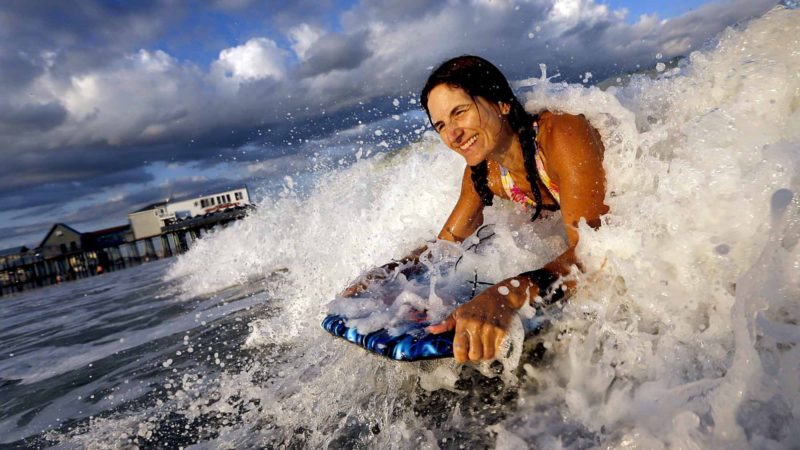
{"type": "Point", "coordinates": [475, 346]}
{"type": "Point", "coordinates": [353, 290]}
{"type": "Point", "coordinates": [439, 328]}
{"type": "Point", "coordinates": [499, 337]}
{"type": "Point", "coordinates": [489, 346]}
{"type": "Point", "coordinates": [461, 346]}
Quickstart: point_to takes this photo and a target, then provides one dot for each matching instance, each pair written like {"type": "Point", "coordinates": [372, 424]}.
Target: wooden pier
{"type": "Point", "coordinates": [93, 254]}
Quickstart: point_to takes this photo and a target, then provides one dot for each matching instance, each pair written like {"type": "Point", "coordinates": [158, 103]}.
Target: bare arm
{"type": "Point", "coordinates": [575, 157]}
{"type": "Point", "coordinates": [467, 215]}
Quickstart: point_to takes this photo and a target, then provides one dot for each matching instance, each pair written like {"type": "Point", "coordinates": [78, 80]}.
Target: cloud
{"type": "Point", "coordinates": [150, 97]}
{"type": "Point", "coordinates": [257, 58]}
{"type": "Point", "coordinates": [335, 52]}
{"type": "Point", "coordinates": [31, 117]}
{"type": "Point", "coordinates": [97, 97]}
{"type": "Point", "coordinates": [18, 70]}
{"type": "Point", "coordinates": [388, 11]}
{"type": "Point", "coordinates": [55, 194]}
{"type": "Point", "coordinates": [67, 38]}
{"type": "Point", "coordinates": [302, 37]}
{"type": "Point", "coordinates": [29, 234]}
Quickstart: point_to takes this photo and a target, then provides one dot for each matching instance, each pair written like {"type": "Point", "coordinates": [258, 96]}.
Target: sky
{"type": "Point", "coordinates": [106, 106]}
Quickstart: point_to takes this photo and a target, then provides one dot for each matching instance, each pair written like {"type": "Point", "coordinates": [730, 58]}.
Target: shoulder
{"type": "Point", "coordinates": [570, 133]}
{"type": "Point", "coordinates": [563, 126]}
{"type": "Point", "coordinates": [569, 142]}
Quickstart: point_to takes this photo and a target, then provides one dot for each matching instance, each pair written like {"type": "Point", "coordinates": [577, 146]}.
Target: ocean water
{"type": "Point", "coordinates": [683, 333]}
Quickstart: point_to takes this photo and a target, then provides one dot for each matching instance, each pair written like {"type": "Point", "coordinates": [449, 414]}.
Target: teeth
{"type": "Point", "coordinates": [469, 142]}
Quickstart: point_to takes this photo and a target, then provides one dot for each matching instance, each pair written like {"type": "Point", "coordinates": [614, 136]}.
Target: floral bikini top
{"type": "Point", "coordinates": [516, 194]}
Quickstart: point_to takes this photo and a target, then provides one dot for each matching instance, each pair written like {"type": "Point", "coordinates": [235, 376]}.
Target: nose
{"type": "Point", "coordinates": [455, 133]}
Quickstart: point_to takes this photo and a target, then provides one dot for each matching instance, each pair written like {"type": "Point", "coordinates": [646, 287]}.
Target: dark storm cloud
{"type": "Point", "coordinates": [53, 195]}
{"type": "Point", "coordinates": [80, 35]}
{"type": "Point", "coordinates": [336, 52]}
{"type": "Point", "coordinates": [393, 10]}
{"type": "Point", "coordinates": [17, 70]}
{"type": "Point", "coordinates": [93, 167]}
{"type": "Point", "coordinates": [28, 234]}
{"type": "Point", "coordinates": [89, 101]}
{"type": "Point", "coordinates": [28, 117]}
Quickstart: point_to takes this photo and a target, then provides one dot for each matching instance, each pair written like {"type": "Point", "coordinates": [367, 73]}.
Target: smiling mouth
{"type": "Point", "coordinates": [469, 143]}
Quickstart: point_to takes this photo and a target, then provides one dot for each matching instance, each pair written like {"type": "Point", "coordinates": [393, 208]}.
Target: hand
{"type": "Point", "coordinates": [362, 282]}
{"type": "Point", "coordinates": [480, 325]}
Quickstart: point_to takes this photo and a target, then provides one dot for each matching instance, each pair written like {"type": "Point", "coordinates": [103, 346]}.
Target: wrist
{"type": "Point", "coordinates": [546, 284]}
{"type": "Point", "coordinates": [513, 291]}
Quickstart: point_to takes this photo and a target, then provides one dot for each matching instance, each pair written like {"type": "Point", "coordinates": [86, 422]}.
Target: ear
{"type": "Point", "coordinates": [505, 108]}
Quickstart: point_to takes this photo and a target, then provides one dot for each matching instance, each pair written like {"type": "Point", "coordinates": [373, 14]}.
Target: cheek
{"type": "Point", "coordinates": [444, 140]}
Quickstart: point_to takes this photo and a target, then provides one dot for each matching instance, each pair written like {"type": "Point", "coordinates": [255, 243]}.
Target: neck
{"type": "Point", "coordinates": [509, 152]}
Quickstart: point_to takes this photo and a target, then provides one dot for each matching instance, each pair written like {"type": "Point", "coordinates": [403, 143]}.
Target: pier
{"type": "Point", "coordinates": [154, 232]}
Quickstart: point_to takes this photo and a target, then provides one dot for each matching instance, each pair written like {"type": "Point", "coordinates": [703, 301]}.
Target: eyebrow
{"type": "Point", "coordinates": [452, 111]}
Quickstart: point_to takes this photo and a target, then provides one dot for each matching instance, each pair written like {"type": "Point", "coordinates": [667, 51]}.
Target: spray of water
{"type": "Point", "coordinates": [684, 329]}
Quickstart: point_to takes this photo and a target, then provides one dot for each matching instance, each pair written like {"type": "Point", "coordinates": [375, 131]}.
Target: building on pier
{"type": "Point", "coordinates": [156, 231]}
{"type": "Point", "coordinates": [149, 221]}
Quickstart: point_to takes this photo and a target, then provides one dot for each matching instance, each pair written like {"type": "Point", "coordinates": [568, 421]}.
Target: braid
{"type": "Point", "coordinates": [480, 179]}
{"type": "Point", "coordinates": [522, 122]}
{"type": "Point", "coordinates": [527, 138]}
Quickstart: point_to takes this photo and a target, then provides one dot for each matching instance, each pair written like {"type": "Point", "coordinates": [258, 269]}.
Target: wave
{"type": "Point", "coordinates": [684, 330]}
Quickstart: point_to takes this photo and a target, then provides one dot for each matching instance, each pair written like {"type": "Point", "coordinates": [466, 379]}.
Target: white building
{"type": "Point", "coordinates": [148, 221]}
{"type": "Point", "coordinates": [197, 206]}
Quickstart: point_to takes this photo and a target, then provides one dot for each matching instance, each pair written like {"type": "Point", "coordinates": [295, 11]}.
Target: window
{"type": "Point", "coordinates": [212, 201]}
{"type": "Point", "coordinates": [63, 248]}
{"type": "Point", "coordinates": [195, 204]}
{"type": "Point", "coordinates": [73, 246]}
{"type": "Point", "coordinates": [238, 196]}
{"type": "Point", "coordinates": [228, 198]}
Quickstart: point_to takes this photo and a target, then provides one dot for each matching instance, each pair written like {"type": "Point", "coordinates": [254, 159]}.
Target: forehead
{"type": "Point", "coordinates": [443, 98]}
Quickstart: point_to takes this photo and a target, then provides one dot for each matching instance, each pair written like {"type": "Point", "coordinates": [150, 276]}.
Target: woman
{"type": "Point", "coordinates": [545, 161]}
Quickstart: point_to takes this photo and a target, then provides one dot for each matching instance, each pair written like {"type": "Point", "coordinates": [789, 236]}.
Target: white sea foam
{"type": "Point", "coordinates": [683, 332]}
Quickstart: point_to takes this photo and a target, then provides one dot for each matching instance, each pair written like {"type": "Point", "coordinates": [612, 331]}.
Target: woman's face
{"type": "Point", "coordinates": [473, 128]}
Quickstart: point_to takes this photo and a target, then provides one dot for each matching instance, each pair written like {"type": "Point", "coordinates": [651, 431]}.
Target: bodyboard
{"type": "Point", "coordinates": [409, 340]}
{"type": "Point", "coordinates": [413, 345]}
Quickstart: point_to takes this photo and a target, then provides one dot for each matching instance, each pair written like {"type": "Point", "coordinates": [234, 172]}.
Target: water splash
{"type": "Point", "coordinates": [683, 332]}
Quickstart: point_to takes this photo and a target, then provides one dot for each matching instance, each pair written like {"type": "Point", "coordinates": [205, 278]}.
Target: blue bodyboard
{"type": "Point", "coordinates": [411, 342]}
{"type": "Point", "coordinates": [413, 345]}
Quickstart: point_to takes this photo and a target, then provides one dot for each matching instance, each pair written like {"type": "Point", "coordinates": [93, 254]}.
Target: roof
{"type": "Point", "coordinates": [56, 225]}
{"type": "Point", "coordinates": [150, 206]}
{"type": "Point", "coordinates": [13, 250]}
{"type": "Point", "coordinates": [111, 230]}
{"type": "Point", "coordinates": [206, 194]}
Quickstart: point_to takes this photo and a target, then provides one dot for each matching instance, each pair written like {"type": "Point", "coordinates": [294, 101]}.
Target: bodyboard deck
{"type": "Point", "coordinates": [413, 342]}
{"type": "Point", "coordinates": [414, 345]}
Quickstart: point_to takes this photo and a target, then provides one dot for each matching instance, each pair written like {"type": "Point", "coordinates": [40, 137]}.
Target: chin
{"type": "Point", "coordinates": [474, 161]}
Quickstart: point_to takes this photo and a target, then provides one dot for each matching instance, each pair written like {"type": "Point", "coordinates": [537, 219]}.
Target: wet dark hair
{"type": "Point", "coordinates": [480, 78]}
